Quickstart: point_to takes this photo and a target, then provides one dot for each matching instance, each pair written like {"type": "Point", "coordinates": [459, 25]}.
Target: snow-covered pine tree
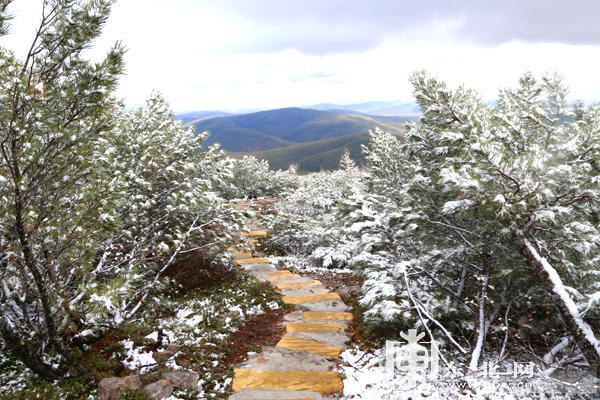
{"type": "Point", "coordinates": [169, 208]}
{"type": "Point", "coordinates": [509, 192]}
{"type": "Point", "coordinates": [347, 163]}
{"type": "Point", "coordinates": [478, 212]}
{"type": "Point", "coordinates": [58, 195]}
{"type": "Point", "coordinates": [96, 203]}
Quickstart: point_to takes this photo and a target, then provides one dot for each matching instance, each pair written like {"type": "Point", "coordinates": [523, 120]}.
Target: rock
{"type": "Point", "coordinates": [182, 379]}
{"type": "Point", "coordinates": [183, 362]}
{"type": "Point", "coordinates": [111, 388]}
{"type": "Point", "coordinates": [162, 356]}
{"type": "Point", "coordinates": [349, 291]}
{"type": "Point", "coordinates": [174, 348]}
{"type": "Point", "coordinates": [159, 389]}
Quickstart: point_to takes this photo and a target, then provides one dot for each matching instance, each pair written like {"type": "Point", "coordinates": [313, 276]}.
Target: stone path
{"type": "Point", "coordinates": [302, 364]}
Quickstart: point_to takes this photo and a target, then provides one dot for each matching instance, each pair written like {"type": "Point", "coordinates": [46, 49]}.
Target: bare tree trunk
{"type": "Point", "coordinates": [461, 286]}
{"type": "Point", "coordinates": [580, 331]}
{"type": "Point", "coordinates": [482, 331]}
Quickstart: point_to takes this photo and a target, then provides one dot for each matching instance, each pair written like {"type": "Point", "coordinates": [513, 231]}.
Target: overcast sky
{"type": "Point", "coordinates": [256, 54]}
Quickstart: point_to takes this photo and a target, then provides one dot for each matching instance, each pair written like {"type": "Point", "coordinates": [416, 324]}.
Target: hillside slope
{"type": "Point", "coordinates": [279, 128]}
{"type": "Point", "coordinates": [315, 156]}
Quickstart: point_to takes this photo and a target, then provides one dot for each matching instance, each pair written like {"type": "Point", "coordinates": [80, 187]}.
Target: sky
{"type": "Point", "coordinates": [235, 55]}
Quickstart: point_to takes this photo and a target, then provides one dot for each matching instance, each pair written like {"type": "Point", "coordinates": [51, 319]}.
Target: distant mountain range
{"type": "Point", "coordinates": [395, 108]}
{"type": "Point", "coordinates": [196, 116]}
{"type": "Point", "coordinates": [314, 139]}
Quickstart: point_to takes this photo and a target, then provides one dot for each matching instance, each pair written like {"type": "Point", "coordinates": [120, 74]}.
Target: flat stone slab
{"type": "Point", "coordinates": [337, 339]}
{"type": "Point", "coordinates": [242, 255]}
{"type": "Point", "coordinates": [295, 280]}
{"type": "Point", "coordinates": [305, 291]}
{"type": "Point", "coordinates": [310, 298]}
{"type": "Point", "coordinates": [252, 261]}
{"type": "Point", "coordinates": [327, 316]}
{"type": "Point", "coordinates": [322, 382]}
{"type": "Point", "coordinates": [311, 346]}
{"type": "Point", "coordinates": [313, 327]}
{"type": "Point", "coordinates": [279, 273]}
{"type": "Point", "coordinates": [254, 234]}
{"type": "Point", "coordinates": [285, 277]}
{"type": "Point", "coordinates": [282, 359]}
{"type": "Point", "coordinates": [296, 316]}
{"type": "Point", "coordinates": [259, 268]}
{"type": "Point", "coordinates": [326, 305]}
{"type": "Point", "coordinates": [262, 394]}
{"type": "Point", "coordinates": [283, 286]}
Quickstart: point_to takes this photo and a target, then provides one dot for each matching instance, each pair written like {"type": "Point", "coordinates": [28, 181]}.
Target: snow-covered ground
{"type": "Point", "coordinates": [366, 377]}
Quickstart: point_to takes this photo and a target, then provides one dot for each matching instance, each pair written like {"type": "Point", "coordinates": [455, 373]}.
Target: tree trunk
{"type": "Point", "coordinates": [482, 330]}
{"type": "Point", "coordinates": [23, 351]}
{"type": "Point", "coordinates": [579, 329]}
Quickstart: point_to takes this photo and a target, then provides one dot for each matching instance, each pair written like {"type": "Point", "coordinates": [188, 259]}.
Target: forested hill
{"type": "Point", "coordinates": [318, 155]}
{"type": "Point", "coordinates": [266, 130]}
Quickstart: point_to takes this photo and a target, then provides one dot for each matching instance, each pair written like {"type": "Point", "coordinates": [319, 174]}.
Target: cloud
{"type": "Point", "coordinates": [340, 26]}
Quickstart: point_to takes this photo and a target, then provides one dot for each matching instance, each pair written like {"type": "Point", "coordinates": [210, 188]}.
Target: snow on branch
{"type": "Point", "coordinates": [560, 290]}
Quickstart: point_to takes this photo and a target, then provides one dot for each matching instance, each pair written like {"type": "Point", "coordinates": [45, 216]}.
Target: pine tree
{"type": "Point", "coordinates": [347, 163]}
{"type": "Point", "coordinates": [59, 198]}
{"type": "Point", "coordinates": [475, 203]}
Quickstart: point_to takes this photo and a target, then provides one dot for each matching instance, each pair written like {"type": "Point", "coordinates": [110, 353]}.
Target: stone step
{"type": "Point", "coordinates": [310, 298]}
{"type": "Point", "coordinates": [282, 286]}
{"type": "Point", "coordinates": [285, 277]}
{"type": "Point", "coordinates": [322, 382]}
{"type": "Point", "coordinates": [295, 343]}
{"type": "Point", "coordinates": [254, 234]}
{"type": "Point", "coordinates": [313, 327]}
{"type": "Point", "coordinates": [242, 255]}
{"type": "Point", "coordinates": [325, 305]}
{"type": "Point", "coordinates": [327, 316]}
{"type": "Point", "coordinates": [280, 273]}
{"type": "Point", "coordinates": [258, 269]}
{"type": "Point", "coordinates": [295, 280]}
{"type": "Point", "coordinates": [296, 316]}
{"type": "Point", "coordinates": [251, 241]}
{"type": "Point", "coordinates": [273, 358]}
{"type": "Point", "coordinates": [336, 339]}
{"type": "Point", "coordinates": [252, 261]}
{"type": "Point", "coordinates": [304, 291]}
{"type": "Point", "coordinates": [262, 394]}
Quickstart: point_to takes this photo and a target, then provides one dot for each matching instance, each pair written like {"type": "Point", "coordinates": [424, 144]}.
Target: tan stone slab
{"type": "Point", "coordinates": [251, 241]}
{"type": "Point", "coordinates": [283, 286]}
{"type": "Point", "coordinates": [252, 261]}
{"type": "Point", "coordinates": [327, 316]}
{"type": "Point", "coordinates": [296, 343]}
{"type": "Point", "coordinates": [242, 255]}
{"type": "Point", "coordinates": [284, 277]}
{"type": "Point", "coordinates": [313, 327]}
{"type": "Point", "coordinates": [323, 382]}
{"type": "Point", "coordinates": [310, 298]}
{"type": "Point", "coordinates": [254, 234]}
{"type": "Point", "coordinates": [279, 273]}
{"type": "Point", "coordinates": [232, 249]}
